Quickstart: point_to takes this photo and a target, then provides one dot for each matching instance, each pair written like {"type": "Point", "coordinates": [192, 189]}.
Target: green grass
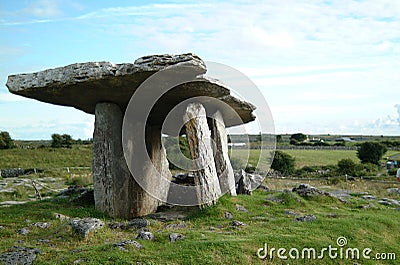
{"type": "Point", "coordinates": [321, 157]}
{"type": "Point", "coordinates": [210, 238]}
{"type": "Point", "coordinates": [78, 156]}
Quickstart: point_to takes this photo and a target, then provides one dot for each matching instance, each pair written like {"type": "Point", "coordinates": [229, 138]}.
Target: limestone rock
{"type": "Point", "coordinates": [221, 157]}
{"type": "Point", "coordinates": [306, 190]}
{"type": "Point", "coordinates": [138, 223]}
{"type": "Point", "coordinates": [173, 237]}
{"type": "Point", "coordinates": [228, 215]}
{"type": "Point", "coordinates": [180, 225]}
{"type": "Point", "coordinates": [145, 235]}
{"type": "Point", "coordinates": [238, 223]}
{"type": "Point", "coordinates": [306, 218]}
{"type": "Point", "coordinates": [247, 182]}
{"type": "Point", "coordinates": [19, 255]}
{"type": "Point", "coordinates": [61, 217]}
{"type": "Point", "coordinates": [121, 245]}
{"type": "Point", "coordinates": [42, 225]}
{"type": "Point", "coordinates": [83, 85]}
{"type": "Point", "coordinates": [241, 208]}
{"type": "Point", "coordinates": [198, 134]}
{"type": "Point", "coordinates": [84, 226]}
{"type": "Point", "coordinates": [23, 231]}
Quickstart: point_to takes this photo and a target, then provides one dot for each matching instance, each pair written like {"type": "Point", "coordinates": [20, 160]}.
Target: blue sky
{"type": "Point", "coordinates": [323, 66]}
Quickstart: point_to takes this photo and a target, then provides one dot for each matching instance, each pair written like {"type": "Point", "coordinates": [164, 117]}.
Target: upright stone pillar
{"type": "Point", "coordinates": [112, 181]}
{"type": "Point", "coordinates": [199, 138]}
{"type": "Point", "coordinates": [221, 157]}
{"type": "Point", "coordinates": [116, 192]}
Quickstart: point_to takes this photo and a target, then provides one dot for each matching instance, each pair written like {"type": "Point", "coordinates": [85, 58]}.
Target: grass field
{"type": "Point", "coordinates": [46, 158]}
{"type": "Point", "coordinates": [321, 157]}
{"type": "Point", "coordinates": [210, 237]}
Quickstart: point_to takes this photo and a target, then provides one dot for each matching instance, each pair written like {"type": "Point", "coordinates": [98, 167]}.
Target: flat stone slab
{"type": "Point", "coordinates": [83, 85]}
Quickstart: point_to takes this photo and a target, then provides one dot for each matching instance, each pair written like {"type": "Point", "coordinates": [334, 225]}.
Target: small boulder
{"type": "Point", "coordinates": [138, 223]}
{"type": "Point", "coordinates": [180, 225]}
{"type": "Point", "coordinates": [306, 190]}
{"type": "Point", "coordinates": [19, 255]}
{"type": "Point", "coordinates": [246, 183]}
{"type": "Point", "coordinates": [23, 231]}
{"type": "Point", "coordinates": [393, 190]}
{"type": "Point", "coordinates": [144, 235]}
{"type": "Point", "coordinates": [121, 245]}
{"type": "Point", "coordinates": [238, 223]}
{"type": "Point", "coordinates": [173, 237]}
{"type": "Point", "coordinates": [228, 215]}
{"type": "Point", "coordinates": [61, 217]}
{"type": "Point", "coordinates": [241, 208]}
{"type": "Point", "coordinates": [83, 226]}
{"type": "Point", "coordinates": [306, 218]}
{"type": "Point", "coordinates": [42, 225]}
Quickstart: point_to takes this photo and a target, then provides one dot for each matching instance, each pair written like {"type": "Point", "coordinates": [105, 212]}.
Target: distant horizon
{"type": "Point", "coordinates": [317, 134]}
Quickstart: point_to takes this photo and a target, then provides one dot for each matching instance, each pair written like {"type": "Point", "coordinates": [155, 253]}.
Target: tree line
{"type": "Point", "coordinates": [369, 153]}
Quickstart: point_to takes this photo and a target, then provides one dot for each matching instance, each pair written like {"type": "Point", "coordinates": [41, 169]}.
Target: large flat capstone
{"type": "Point", "coordinates": [83, 85]}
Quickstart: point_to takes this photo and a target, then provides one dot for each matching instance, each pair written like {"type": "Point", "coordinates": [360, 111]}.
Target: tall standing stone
{"type": "Point", "coordinates": [221, 158]}
{"type": "Point", "coordinates": [199, 138]}
{"type": "Point", "coordinates": [112, 181]}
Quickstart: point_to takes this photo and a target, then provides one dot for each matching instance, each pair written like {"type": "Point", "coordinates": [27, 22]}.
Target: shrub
{"type": "Point", "coordinates": [347, 166]}
{"type": "Point", "coordinates": [5, 141]}
{"type": "Point", "coordinates": [283, 163]}
{"type": "Point", "coordinates": [392, 172]}
{"type": "Point", "coordinates": [371, 152]}
{"type": "Point", "coordinates": [59, 141]}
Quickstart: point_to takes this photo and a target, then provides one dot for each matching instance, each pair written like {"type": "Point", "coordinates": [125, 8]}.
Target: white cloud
{"type": "Point", "coordinates": [43, 8]}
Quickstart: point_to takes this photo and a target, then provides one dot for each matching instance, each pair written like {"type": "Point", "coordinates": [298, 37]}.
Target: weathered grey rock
{"type": "Point", "coordinates": [11, 172]}
{"type": "Point", "coordinates": [84, 226]}
{"type": "Point", "coordinates": [179, 225]}
{"type": "Point", "coordinates": [173, 237]}
{"type": "Point", "coordinates": [221, 157]}
{"type": "Point", "coordinates": [198, 134]}
{"type": "Point", "coordinates": [150, 169]}
{"type": "Point", "coordinates": [121, 245]}
{"type": "Point", "coordinates": [306, 190]}
{"type": "Point", "coordinates": [19, 256]}
{"type": "Point", "coordinates": [42, 225]}
{"type": "Point", "coordinates": [306, 218]}
{"type": "Point", "coordinates": [290, 212]}
{"type": "Point", "coordinates": [138, 223]}
{"type": "Point", "coordinates": [247, 182]}
{"type": "Point", "coordinates": [238, 223]}
{"type": "Point", "coordinates": [23, 231]}
{"type": "Point", "coordinates": [241, 208]}
{"type": "Point", "coordinates": [368, 206]}
{"type": "Point", "coordinates": [229, 215]}
{"type": "Point", "coordinates": [368, 197]}
{"type": "Point", "coordinates": [61, 217]}
{"type": "Point", "coordinates": [275, 200]}
{"type": "Point", "coordinates": [393, 190]}
{"type": "Point", "coordinates": [83, 85]}
{"type": "Point", "coordinates": [145, 235]}
{"type": "Point", "coordinates": [112, 182]}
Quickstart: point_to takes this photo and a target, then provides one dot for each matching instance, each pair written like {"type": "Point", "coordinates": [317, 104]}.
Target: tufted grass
{"type": "Point", "coordinates": [210, 238]}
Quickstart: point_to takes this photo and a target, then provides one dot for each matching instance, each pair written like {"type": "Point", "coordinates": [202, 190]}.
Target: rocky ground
{"type": "Point", "coordinates": [173, 227]}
